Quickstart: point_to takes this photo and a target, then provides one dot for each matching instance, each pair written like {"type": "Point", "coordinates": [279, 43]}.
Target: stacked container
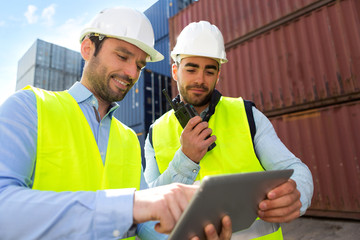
{"type": "Point", "coordinates": [49, 66]}
{"type": "Point", "coordinates": [299, 62]}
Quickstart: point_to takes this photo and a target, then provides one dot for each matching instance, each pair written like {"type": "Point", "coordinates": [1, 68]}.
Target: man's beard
{"type": "Point", "coordinates": [100, 83]}
{"type": "Point", "coordinates": [195, 102]}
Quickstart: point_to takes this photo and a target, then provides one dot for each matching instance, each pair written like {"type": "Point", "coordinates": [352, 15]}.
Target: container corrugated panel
{"type": "Point", "coordinates": [141, 133]}
{"type": "Point", "coordinates": [57, 57]}
{"type": "Point", "coordinates": [144, 103]}
{"type": "Point", "coordinates": [158, 15]}
{"type": "Point", "coordinates": [49, 64]}
{"type": "Point", "coordinates": [328, 141]}
{"type": "Point", "coordinates": [155, 101]}
{"type": "Point", "coordinates": [43, 53]}
{"type": "Point", "coordinates": [41, 77]}
{"type": "Point", "coordinates": [26, 79]}
{"type": "Point", "coordinates": [234, 18]}
{"type": "Point", "coordinates": [311, 61]}
{"type": "Point", "coordinates": [163, 67]}
{"type": "Point", "coordinates": [69, 80]}
{"type": "Point", "coordinates": [82, 64]}
{"type": "Point", "coordinates": [304, 62]}
{"type": "Point", "coordinates": [308, 61]}
{"type": "Point", "coordinates": [72, 62]}
{"type": "Point", "coordinates": [27, 61]}
{"type": "Point", "coordinates": [56, 80]}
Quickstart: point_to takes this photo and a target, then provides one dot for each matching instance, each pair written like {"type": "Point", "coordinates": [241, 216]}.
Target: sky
{"type": "Point", "coordinates": [55, 21]}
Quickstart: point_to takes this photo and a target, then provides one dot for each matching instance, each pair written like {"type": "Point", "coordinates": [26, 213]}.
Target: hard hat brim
{"type": "Point", "coordinates": [175, 55]}
{"type": "Point", "coordinates": [154, 55]}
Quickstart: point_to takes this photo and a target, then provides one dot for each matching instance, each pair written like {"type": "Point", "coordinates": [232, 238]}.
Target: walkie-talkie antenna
{"type": "Point", "coordinates": [173, 106]}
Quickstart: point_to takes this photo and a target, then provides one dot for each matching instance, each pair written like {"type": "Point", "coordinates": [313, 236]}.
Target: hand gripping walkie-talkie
{"type": "Point", "coordinates": [184, 112]}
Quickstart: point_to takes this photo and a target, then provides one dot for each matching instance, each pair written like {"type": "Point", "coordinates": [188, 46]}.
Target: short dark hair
{"type": "Point", "coordinates": [98, 43]}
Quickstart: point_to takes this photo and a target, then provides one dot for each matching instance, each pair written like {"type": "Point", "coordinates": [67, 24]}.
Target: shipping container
{"type": "Point", "coordinates": [57, 58]}
{"type": "Point", "coordinates": [26, 79]}
{"type": "Point", "coordinates": [43, 53]}
{"type": "Point", "coordinates": [293, 63]}
{"type": "Point", "coordinates": [299, 62]}
{"type": "Point", "coordinates": [42, 74]}
{"type": "Point", "coordinates": [236, 18]}
{"type": "Point", "coordinates": [48, 66]}
{"type": "Point", "coordinates": [158, 14]}
{"type": "Point", "coordinates": [163, 67]}
{"type": "Point", "coordinates": [144, 103]}
{"type": "Point", "coordinates": [26, 62]}
{"type": "Point", "coordinates": [72, 63]}
{"type": "Point", "coordinates": [328, 140]}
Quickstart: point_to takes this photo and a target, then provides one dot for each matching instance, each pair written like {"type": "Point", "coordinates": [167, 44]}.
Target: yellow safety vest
{"type": "Point", "coordinates": [234, 151]}
{"type": "Point", "coordinates": [68, 158]}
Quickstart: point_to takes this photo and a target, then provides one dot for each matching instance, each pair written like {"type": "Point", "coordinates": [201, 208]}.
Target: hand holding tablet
{"type": "Point", "coordinates": [235, 195]}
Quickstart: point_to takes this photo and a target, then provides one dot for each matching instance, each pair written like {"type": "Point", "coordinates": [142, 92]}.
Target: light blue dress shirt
{"type": "Point", "coordinates": [272, 153]}
{"type": "Point", "coordinates": [34, 214]}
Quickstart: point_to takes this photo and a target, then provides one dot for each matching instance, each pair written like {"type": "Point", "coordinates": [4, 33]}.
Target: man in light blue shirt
{"type": "Point", "coordinates": [115, 48]}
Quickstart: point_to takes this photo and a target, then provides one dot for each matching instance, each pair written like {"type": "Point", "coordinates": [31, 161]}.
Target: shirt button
{"type": "Point", "coordinates": [194, 171]}
{"type": "Point", "coordinates": [93, 102]}
{"type": "Point", "coordinates": [116, 233]}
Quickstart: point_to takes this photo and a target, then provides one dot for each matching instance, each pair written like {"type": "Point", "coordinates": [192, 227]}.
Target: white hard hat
{"type": "Point", "coordinates": [126, 24]}
{"type": "Point", "coordinates": [200, 39]}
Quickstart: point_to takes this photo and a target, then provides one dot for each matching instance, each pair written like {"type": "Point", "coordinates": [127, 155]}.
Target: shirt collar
{"type": "Point", "coordinates": [83, 95]}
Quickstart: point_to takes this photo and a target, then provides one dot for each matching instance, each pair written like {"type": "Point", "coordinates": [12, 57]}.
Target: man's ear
{"type": "Point", "coordinates": [218, 77]}
{"type": "Point", "coordinates": [87, 49]}
{"type": "Point", "coordinates": [174, 71]}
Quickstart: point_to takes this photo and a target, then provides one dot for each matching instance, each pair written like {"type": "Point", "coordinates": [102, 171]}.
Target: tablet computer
{"type": "Point", "coordinates": [236, 195]}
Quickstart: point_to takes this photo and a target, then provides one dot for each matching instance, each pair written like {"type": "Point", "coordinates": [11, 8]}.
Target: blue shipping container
{"type": "Point", "coordinates": [159, 15]}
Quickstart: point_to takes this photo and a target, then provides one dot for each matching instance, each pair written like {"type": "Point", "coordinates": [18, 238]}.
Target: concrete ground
{"type": "Point", "coordinates": [308, 228]}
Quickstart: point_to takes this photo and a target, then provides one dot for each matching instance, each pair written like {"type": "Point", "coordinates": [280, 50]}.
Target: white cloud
{"type": "Point", "coordinates": [30, 14]}
{"type": "Point", "coordinates": [47, 15]}
{"type": "Point", "coordinates": [68, 34]}
{"type": "Point", "coordinates": [2, 23]}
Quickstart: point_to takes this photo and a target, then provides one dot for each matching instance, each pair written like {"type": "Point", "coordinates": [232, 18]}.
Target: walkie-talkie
{"type": "Point", "coordinates": [184, 112]}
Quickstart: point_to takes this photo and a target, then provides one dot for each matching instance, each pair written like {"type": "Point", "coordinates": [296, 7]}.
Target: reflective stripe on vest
{"type": "Point", "coordinates": [230, 125]}
{"type": "Point", "coordinates": [68, 158]}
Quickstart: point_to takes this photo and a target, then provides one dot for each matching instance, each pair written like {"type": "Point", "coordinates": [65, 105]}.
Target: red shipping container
{"type": "Point", "coordinates": [328, 141]}
{"type": "Point", "coordinates": [293, 62]}
{"type": "Point", "coordinates": [299, 61]}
